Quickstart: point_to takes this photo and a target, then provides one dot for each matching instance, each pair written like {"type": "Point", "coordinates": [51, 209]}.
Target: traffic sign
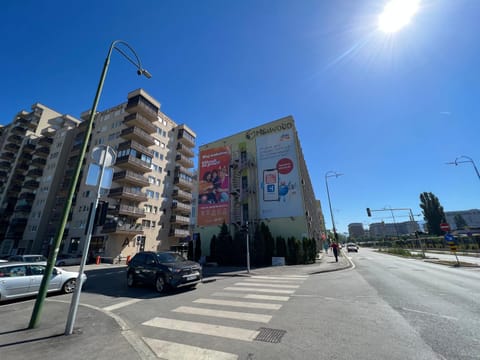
{"type": "Point", "coordinates": [449, 237]}
{"type": "Point", "coordinates": [445, 227]}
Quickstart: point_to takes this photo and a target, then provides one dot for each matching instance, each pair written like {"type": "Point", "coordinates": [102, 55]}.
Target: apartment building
{"type": "Point", "coordinates": [257, 175]}
{"type": "Point", "coordinates": [146, 207]}
{"type": "Point", "coordinates": [32, 149]}
{"type": "Point", "coordinates": [356, 230]}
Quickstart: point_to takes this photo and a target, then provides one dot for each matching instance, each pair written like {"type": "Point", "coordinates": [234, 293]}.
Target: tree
{"type": "Point", "coordinates": [433, 212]}
{"type": "Point", "coordinates": [198, 247]}
{"type": "Point", "coordinates": [213, 248]}
{"type": "Point", "coordinates": [460, 222]}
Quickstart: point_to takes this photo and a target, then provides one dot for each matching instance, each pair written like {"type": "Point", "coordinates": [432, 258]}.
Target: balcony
{"type": "Point", "coordinates": [3, 174]}
{"type": "Point", "coordinates": [31, 184]}
{"type": "Point", "coordinates": [76, 148]}
{"type": "Point", "coordinates": [128, 193]}
{"type": "Point", "coordinates": [4, 165]}
{"type": "Point", "coordinates": [26, 208]}
{"type": "Point", "coordinates": [39, 162]}
{"type": "Point", "coordinates": [12, 147]}
{"type": "Point", "coordinates": [45, 141]}
{"type": "Point", "coordinates": [138, 104]}
{"type": "Point", "coordinates": [26, 156]}
{"type": "Point", "coordinates": [6, 155]}
{"type": "Point", "coordinates": [28, 148]}
{"type": "Point", "coordinates": [183, 183]}
{"type": "Point", "coordinates": [131, 211]}
{"type": "Point", "coordinates": [19, 130]}
{"type": "Point", "coordinates": [185, 138]}
{"type": "Point", "coordinates": [182, 208]}
{"type": "Point", "coordinates": [14, 189]}
{"type": "Point", "coordinates": [130, 177]}
{"type": "Point", "coordinates": [22, 166]}
{"type": "Point", "coordinates": [178, 219]}
{"type": "Point", "coordinates": [135, 145]}
{"type": "Point", "coordinates": [178, 233]}
{"type": "Point", "coordinates": [130, 162]}
{"type": "Point", "coordinates": [29, 196]}
{"type": "Point", "coordinates": [18, 178]}
{"type": "Point", "coordinates": [137, 134]}
{"type": "Point", "coordinates": [114, 227]}
{"type": "Point", "coordinates": [42, 152]}
{"type": "Point", "coordinates": [183, 170]}
{"type": "Point", "coordinates": [17, 139]}
{"type": "Point", "coordinates": [34, 173]}
{"type": "Point", "coordinates": [48, 133]}
{"type": "Point", "coordinates": [184, 150]}
{"type": "Point", "coordinates": [182, 195]}
{"type": "Point", "coordinates": [184, 161]}
{"type": "Point", "coordinates": [140, 121]}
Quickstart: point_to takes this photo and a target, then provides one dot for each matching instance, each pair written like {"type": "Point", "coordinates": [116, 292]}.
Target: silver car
{"type": "Point", "coordinates": [20, 279]}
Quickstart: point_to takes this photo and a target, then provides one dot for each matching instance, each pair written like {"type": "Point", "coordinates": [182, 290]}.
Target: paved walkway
{"type": "Point", "coordinates": [99, 334]}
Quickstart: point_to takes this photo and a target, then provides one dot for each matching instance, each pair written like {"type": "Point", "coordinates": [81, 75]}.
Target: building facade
{"type": "Point", "coordinates": [393, 229]}
{"type": "Point", "coordinates": [258, 175]}
{"type": "Point", "coordinates": [469, 218]}
{"type": "Point", "coordinates": [356, 231]}
{"type": "Point", "coordinates": [149, 201]}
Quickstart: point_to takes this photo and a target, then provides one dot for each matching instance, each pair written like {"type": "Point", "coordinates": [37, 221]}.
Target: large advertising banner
{"type": "Point", "coordinates": [278, 176]}
{"type": "Point", "coordinates": [213, 187]}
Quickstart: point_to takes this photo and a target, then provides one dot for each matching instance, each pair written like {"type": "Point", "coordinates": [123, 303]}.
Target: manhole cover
{"type": "Point", "coordinates": [270, 335]}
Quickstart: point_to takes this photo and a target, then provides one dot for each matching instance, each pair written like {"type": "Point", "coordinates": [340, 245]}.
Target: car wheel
{"type": "Point", "coordinates": [160, 284]}
{"type": "Point", "coordinates": [131, 280]}
{"type": "Point", "coordinates": [61, 264]}
{"type": "Point", "coordinates": [69, 286]}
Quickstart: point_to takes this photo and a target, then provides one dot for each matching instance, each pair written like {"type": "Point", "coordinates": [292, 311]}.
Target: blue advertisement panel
{"type": "Point", "coordinates": [278, 175]}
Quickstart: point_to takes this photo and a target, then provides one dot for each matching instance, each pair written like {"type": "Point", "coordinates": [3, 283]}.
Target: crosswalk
{"type": "Point", "coordinates": [251, 303]}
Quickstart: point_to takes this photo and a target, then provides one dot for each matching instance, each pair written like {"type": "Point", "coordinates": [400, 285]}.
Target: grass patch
{"type": "Point", "coordinates": [400, 252]}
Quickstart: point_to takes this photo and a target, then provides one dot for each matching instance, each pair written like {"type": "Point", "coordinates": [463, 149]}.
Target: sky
{"type": "Point", "coordinates": [385, 110]}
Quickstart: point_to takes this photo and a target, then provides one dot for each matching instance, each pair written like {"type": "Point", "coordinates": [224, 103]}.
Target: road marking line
{"type": "Point", "coordinates": [297, 278]}
{"type": "Point", "coordinates": [122, 304]}
{"type": "Point", "coordinates": [267, 297]}
{"type": "Point", "coordinates": [224, 314]}
{"type": "Point", "coordinates": [245, 304]}
{"type": "Point", "coordinates": [174, 351]}
{"type": "Point", "coordinates": [270, 281]}
{"type": "Point", "coordinates": [228, 294]}
{"type": "Point", "coordinates": [267, 285]}
{"type": "Point", "coordinates": [203, 328]}
{"type": "Point", "coordinates": [273, 291]}
{"type": "Point", "coordinates": [431, 314]}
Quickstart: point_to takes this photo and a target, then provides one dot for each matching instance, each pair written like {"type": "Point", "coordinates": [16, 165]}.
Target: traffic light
{"type": "Point", "coordinates": [369, 213]}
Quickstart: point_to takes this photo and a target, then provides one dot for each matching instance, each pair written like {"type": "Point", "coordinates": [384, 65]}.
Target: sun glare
{"type": "Point", "coordinates": [397, 14]}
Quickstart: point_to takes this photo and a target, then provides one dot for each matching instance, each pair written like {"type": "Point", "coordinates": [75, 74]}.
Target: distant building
{"type": "Point", "coordinates": [471, 218]}
{"type": "Point", "coordinates": [356, 230]}
{"type": "Point", "coordinates": [257, 175]}
{"type": "Point", "coordinates": [393, 229]}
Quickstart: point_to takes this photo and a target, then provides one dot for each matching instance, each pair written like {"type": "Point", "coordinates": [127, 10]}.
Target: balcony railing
{"type": "Point", "coordinates": [178, 233]}
{"type": "Point", "coordinates": [135, 133]}
{"type": "Point", "coordinates": [131, 211]}
{"type": "Point", "coordinates": [185, 150]}
{"type": "Point", "coordinates": [113, 227]}
{"type": "Point", "coordinates": [132, 144]}
{"type": "Point", "coordinates": [43, 151]}
{"type": "Point", "coordinates": [183, 195]}
{"type": "Point", "coordinates": [178, 219]}
{"type": "Point", "coordinates": [183, 160]}
{"type": "Point", "coordinates": [141, 121]}
{"type": "Point", "coordinates": [182, 183]}
{"type": "Point", "coordinates": [4, 165]}
{"type": "Point", "coordinates": [31, 184]}
{"type": "Point", "coordinates": [17, 139]}
{"type": "Point", "coordinates": [39, 162]}
{"type": "Point", "coordinates": [143, 106]}
{"type": "Point", "coordinates": [6, 155]}
{"type": "Point", "coordinates": [128, 193]}
{"type": "Point", "coordinates": [181, 207]}
{"type": "Point", "coordinates": [127, 176]}
{"type": "Point", "coordinates": [28, 148]}
{"type": "Point", "coordinates": [131, 162]}
{"type": "Point", "coordinates": [183, 170]}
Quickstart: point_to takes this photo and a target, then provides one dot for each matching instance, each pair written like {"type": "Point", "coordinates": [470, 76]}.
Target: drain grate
{"type": "Point", "coordinates": [270, 335]}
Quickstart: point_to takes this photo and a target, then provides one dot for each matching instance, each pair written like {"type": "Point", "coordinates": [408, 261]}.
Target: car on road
{"type": "Point", "coordinates": [163, 270]}
{"type": "Point", "coordinates": [22, 279]}
{"type": "Point", "coordinates": [68, 259]}
{"type": "Point", "coordinates": [352, 247]}
{"type": "Point", "coordinates": [27, 258]}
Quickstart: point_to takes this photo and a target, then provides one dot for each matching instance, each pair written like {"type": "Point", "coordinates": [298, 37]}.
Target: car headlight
{"type": "Point", "coordinates": [174, 270]}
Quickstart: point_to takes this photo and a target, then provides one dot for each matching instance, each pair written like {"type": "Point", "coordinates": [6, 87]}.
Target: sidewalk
{"type": "Point", "coordinates": [99, 334]}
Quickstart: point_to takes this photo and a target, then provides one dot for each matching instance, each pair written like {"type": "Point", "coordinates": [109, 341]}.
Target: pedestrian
{"type": "Point", "coordinates": [325, 247]}
{"type": "Point", "coordinates": [335, 250]}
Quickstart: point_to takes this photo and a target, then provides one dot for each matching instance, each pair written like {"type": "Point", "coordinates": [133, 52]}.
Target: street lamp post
{"type": "Point", "coordinates": [68, 204]}
{"type": "Point", "coordinates": [465, 159]}
{"type": "Point", "coordinates": [330, 174]}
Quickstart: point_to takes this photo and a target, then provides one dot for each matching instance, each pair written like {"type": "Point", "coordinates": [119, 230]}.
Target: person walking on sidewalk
{"type": "Point", "coordinates": [334, 247]}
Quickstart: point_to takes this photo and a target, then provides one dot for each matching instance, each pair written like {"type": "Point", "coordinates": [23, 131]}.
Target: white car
{"type": "Point", "coordinates": [20, 279]}
{"type": "Point", "coordinates": [67, 259]}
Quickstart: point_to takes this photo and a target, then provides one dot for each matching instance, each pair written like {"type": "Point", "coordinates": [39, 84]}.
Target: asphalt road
{"type": "Point", "coordinates": [441, 304]}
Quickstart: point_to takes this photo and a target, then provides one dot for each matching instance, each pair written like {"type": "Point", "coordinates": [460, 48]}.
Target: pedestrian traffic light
{"type": "Point", "coordinates": [369, 213]}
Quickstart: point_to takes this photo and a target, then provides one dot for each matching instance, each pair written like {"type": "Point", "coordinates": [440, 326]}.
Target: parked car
{"type": "Point", "coordinates": [352, 247]}
{"type": "Point", "coordinates": [27, 258]}
{"type": "Point", "coordinates": [67, 259]}
{"type": "Point", "coordinates": [21, 279]}
{"type": "Point", "coordinates": [163, 270]}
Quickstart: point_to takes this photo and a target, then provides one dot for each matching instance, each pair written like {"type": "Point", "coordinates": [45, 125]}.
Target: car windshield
{"type": "Point", "coordinates": [169, 257]}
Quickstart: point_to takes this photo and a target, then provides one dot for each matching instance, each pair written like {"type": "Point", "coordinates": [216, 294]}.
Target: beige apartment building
{"type": "Point", "coordinates": [148, 204]}
{"type": "Point", "coordinates": [257, 175]}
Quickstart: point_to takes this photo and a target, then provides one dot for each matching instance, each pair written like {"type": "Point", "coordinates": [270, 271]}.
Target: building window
{"type": "Point", "coordinates": [73, 246]}
{"type": "Point", "coordinates": [150, 194]}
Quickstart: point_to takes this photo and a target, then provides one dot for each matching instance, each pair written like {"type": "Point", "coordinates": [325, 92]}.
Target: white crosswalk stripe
{"type": "Point", "coordinates": [273, 291]}
{"type": "Point", "coordinates": [288, 277]}
{"type": "Point", "coordinates": [267, 285]}
{"type": "Point", "coordinates": [203, 328]}
{"type": "Point", "coordinates": [245, 304]}
{"type": "Point", "coordinates": [224, 314]}
{"type": "Point", "coordinates": [252, 296]}
{"type": "Point", "coordinates": [174, 351]}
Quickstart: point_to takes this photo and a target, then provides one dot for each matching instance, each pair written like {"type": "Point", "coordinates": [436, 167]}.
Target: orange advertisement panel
{"type": "Point", "coordinates": [213, 187]}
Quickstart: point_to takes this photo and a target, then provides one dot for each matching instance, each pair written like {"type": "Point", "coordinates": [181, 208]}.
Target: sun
{"type": "Point", "coordinates": [397, 14]}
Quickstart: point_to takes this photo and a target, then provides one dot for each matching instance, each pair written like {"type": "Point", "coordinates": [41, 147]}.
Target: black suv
{"type": "Point", "coordinates": [163, 269]}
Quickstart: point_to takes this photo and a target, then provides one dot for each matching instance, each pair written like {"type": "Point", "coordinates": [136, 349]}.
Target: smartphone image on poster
{"type": "Point", "coordinates": [270, 185]}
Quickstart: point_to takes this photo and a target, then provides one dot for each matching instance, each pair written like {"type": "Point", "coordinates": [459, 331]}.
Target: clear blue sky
{"type": "Point", "coordinates": [386, 110]}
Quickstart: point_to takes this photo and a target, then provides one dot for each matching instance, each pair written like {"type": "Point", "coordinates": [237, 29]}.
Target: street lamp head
{"type": "Point", "coordinates": [144, 72]}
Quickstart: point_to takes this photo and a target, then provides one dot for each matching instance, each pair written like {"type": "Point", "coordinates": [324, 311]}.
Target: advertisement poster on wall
{"type": "Point", "coordinates": [213, 187]}
{"type": "Point", "coordinates": [278, 176]}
